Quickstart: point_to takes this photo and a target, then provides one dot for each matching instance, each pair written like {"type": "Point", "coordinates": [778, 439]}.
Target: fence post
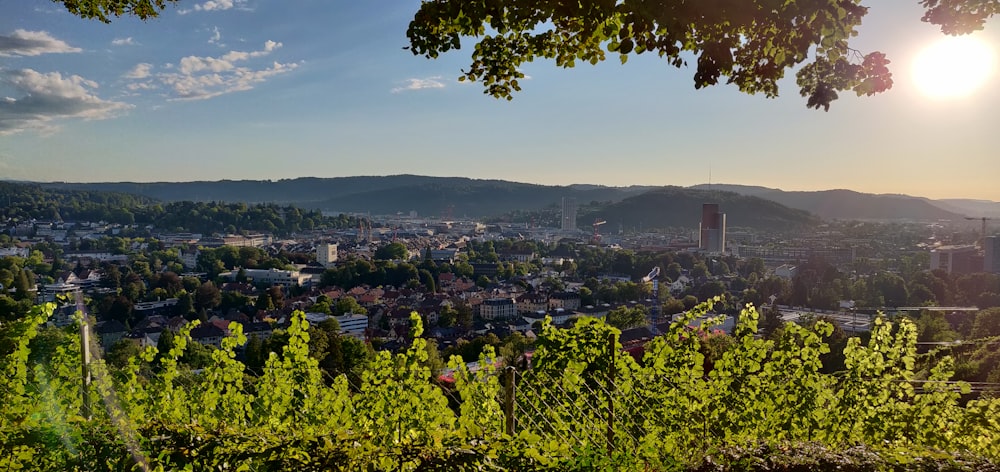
{"type": "Point", "coordinates": [611, 390]}
{"type": "Point", "coordinates": [85, 367]}
{"type": "Point", "coordinates": [508, 401]}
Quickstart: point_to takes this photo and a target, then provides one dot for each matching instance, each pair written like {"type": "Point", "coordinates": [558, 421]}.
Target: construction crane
{"type": "Point", "coordinates": [982, 235]}
{"type": "Point", "coordinates": [596, 238]}
{"type": "Point", "coordinates": [654, 312]}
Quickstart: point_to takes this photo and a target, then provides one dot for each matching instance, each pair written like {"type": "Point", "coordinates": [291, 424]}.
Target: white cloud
{"type": "Point", "coordinates": [32, 43]}
{"type": "Point", "coordinates": [124, 42]}
{"type": "Point", "coordinates": [216, 36]}
{"type": "Point", "coordinates": [420, 84]}
{"type": "Point", "coordinates": [48, 97]}
{"type": "Point", "coordinates": [203, 77]}
{"type": "Point", "coordinates": [215, 5]}
{"type": "Point", "coordinates": [140, 71]}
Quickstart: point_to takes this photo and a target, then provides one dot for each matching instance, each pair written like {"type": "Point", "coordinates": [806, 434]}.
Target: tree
{"type": "Point", "coordinates": [750, 43]}
{"type": "Point", "coordinates": [165, 343]}
{"type": "Point", "coordinates": [277, 296]}
{"type": "Point", "coordinates": [987, 323]}
{"type": "Point", "coordinates": [104, 10]}
{"type": "Point", "coordinates": [428, 280]}
{"type": "Point", "coordinates": [120, 352]}
{"type": "Point", "coordinates": [22, 285]}
{"type": "Point", "coordinates": [392, 251]}
{"type": "Point", "coordinates": [254, 355]}
{"type": "Point", "coordinates": [448, 317]}
{"type": "Point", "coordinates": [625, 317]}
{"type": "Point", "coordinates": [207, 296]}
{"type": "Point", "coordinates": [120, 310]}
{"type": "Point", "coordinates": [347, 305]}
{"type": "Point", "coordinates": [185, 305]}
{"type": "Point", "coordinates": [771, 322]}
{"type": "Point", "coordinates": [264, 302]}
{"type": "Point", "coordinates": [463, 320]}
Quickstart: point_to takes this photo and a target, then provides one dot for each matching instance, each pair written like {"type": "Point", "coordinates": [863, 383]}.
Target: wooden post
{"type": "Point", "coordinates": [85, 367]}
{"type": "Point", "coordinates": [611, 398]}
{"type": "Point", "coordinates": [508, 401]}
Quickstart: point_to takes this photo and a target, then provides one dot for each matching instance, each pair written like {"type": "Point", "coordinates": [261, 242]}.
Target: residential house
{"type": "Point", "coordinates": [110, 332]}
{"type": "Point", "coordinates": [532, 302]}
{"type": "Point", "coordinates": [209, 335]}
{"type": "Point", "coordinates": [498, 309]}
{"type": "Point", "coordinates": [564, 300]}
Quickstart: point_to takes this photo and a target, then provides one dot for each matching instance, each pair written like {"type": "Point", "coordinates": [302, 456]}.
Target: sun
{"type": "Point", "coordinates": [953, 67]}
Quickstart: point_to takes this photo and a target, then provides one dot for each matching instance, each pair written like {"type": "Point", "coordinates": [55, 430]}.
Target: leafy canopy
{"type": "Point", "coordinates": [103, 10]}
{"type": "Point", "coordinates": [747, 43]}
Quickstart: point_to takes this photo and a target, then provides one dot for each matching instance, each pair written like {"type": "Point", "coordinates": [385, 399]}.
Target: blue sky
{"type": "Point", "coordinates": [272, 89]}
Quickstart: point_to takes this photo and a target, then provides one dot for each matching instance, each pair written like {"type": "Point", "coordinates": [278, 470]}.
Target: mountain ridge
{"type": "Point", "coordinates": [456, 196]}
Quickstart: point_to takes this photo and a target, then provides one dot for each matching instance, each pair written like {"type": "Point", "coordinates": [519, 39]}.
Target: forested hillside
{"type": "Point", "coordinates": [30, 201]}
{"type": "Point", "coordinates": [681, 208]}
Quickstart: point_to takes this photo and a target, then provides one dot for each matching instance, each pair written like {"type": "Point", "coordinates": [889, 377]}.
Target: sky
{"type": "Point", "coordinates": [277, 89]}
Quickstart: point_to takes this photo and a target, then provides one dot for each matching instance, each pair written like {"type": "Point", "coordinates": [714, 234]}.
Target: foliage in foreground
{"type": "Point", "coordinates": [764, 405]}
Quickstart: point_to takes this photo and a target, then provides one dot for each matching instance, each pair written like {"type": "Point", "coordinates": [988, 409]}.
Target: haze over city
{"type": "Point", "coordinates": [262, 89]}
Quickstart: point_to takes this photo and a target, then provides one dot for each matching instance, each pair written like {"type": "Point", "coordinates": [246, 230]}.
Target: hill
{"type": "Point", "coordinates": [458, 196]}
{"type": "Point", "coordinates": [850, 205]}
{"type": "Point", "coordinates": [972, 208]}
{"type": "Point", "coordinates": [681, 207]}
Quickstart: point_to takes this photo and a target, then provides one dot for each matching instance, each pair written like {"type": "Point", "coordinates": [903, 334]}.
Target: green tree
{"type": "Point", "coordinates": [625, 317]}
{"type": "Point", "coordinates": [165, 343]}
{"type": "Point", "coordinates": [346, 305]}
{"type": "Point", "coordinates": [277, 296]}
{"type": "Point", "coordinates": [264, 302]}
{"type": "Point", "coordinates": [392, 251]}
{"type": "Point", "coordinates": [104, 10]}
{"type": "Point", "coordinates": [207, 296]}
{"type": "Point", "coordinates": [751, 44]}
{"type": "Point", "coordinates": [185, 305]}
{"type": "Point", "coordinates": [463, 319]}
{"type": "Point", "coordinates": [197, 355]}
{"type": "Point", "coordinates": [22, 285]}
{"type": "Point", "coordinates": [448, 317]}
{"type": "Point", "coordinates": [428, 280]}
{"type": "Point", "coordinates": [120, 352]}
{"type": "Point", "coordinates": [987, 323]}
{"type": "Point", "coordinates": [254, 355]}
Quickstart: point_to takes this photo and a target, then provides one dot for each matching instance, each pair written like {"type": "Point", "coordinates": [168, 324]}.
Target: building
{"type": "Point", "coordinates": [712, 229]}
{"type": "Point", "coordinates": [786, 271]}
{"type": "Point", "coordinates": [15, 252]}
{"type": "Point", "coordinates": [51, 292]}
{"type": "Point", "coordinates": [353, 324]}
{"type": "Point", "coordinates": [498, 309]}
{"type": "Point", "coordinates": [568, 214]}
{"type": "Point", "coordinates": [189, 258]}
{"type": "Point", "coordinates": [529, 303]}
{"type": "Point", "coordinates": [444, 255]}
{"type": "Point", "coordinates": [326, 254]}
{"type": "Point", "coordinates": [271, 276]}
{"type": "Point", "coordinates": [956, 259]}
{"type": "Point", "coordinates": [564, 300]}
{"type": "Point", "coordinates": [991, 249]}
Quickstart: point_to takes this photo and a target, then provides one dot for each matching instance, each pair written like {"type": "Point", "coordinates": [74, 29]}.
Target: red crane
{"type": "Point", "coordinates": [596, 238]}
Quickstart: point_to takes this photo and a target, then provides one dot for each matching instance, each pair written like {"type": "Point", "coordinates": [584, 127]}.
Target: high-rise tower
{"type": "Point", "coordinates": [712, 229]}
{"type": "Point", "coordinates": [568, 214]}
{"type": "Point", "coordinates": [991, 251]}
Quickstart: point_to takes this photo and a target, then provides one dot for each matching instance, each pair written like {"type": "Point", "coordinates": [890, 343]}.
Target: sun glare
{"type": "Point", "coordinates": [953, 67]}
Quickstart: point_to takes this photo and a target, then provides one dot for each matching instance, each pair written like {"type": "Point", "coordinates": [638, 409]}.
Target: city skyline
{"type": "Point", "coordinates": [261, 90]}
